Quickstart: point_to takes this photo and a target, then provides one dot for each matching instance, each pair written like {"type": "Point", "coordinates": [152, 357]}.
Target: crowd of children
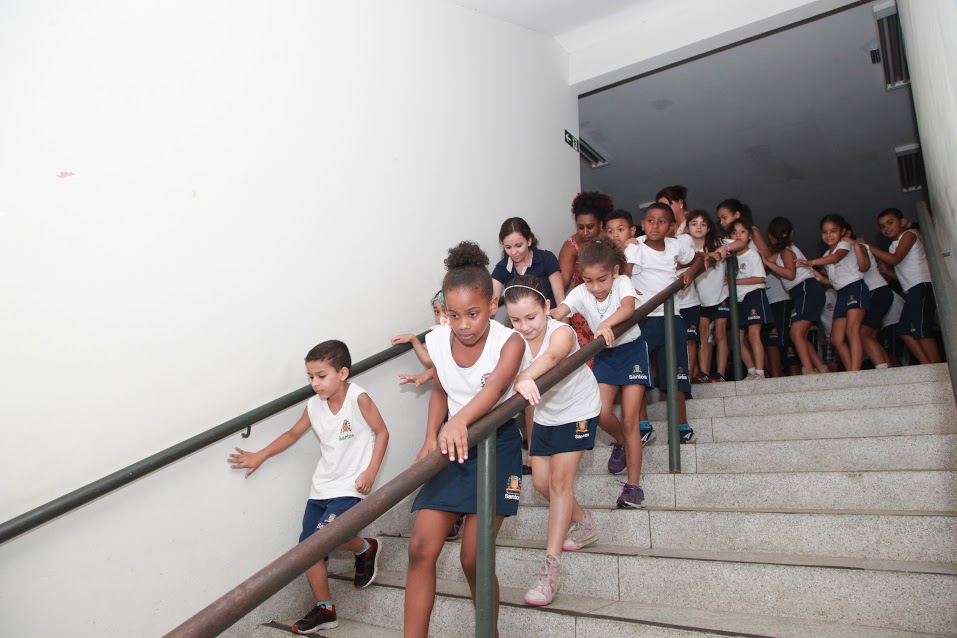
{"type": "Point", "coordinates": [555, 306]}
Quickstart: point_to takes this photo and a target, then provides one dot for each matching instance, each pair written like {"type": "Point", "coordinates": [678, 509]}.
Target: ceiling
{"type": "Point", "coordinates": [797, 124]}
{"type": "Point", "coordinates": [551, 17]}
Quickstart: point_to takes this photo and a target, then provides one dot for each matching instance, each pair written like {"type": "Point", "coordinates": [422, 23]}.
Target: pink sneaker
{"type": "Point", "coordinates": [549, 580]}
{"type": "Point", "coordinates": [582, 533]}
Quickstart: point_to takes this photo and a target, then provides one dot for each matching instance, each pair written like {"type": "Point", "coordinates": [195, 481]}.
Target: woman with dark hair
{"type": "Point", "coordinates": [675, 196]}
{"type": "Point", "coordinates": [524, 257]}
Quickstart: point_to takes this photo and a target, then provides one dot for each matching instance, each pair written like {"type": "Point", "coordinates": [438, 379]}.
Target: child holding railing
{"type": "Point", "coordinates": [565, 420]}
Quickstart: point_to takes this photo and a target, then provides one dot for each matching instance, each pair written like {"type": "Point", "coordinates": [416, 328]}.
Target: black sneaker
{"type": "Point", "coordinates": [647, 434]}
{"type": "Point", "coordinates": [526, 470]}
{"type": "Point", "coordinates": [701, 377]}
{"type": "Point", "coordinates": [366, 565]}
{"type": "Point", "coordinates": [456, 532]}
{"type": "Point", "coordinates": [685, 433]}
{"type": "Point", "coordinates": [717, 378]}
{"type": "Point", "coordinates": [319, 617]}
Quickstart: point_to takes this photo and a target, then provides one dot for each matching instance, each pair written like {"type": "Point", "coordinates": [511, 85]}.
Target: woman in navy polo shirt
{"type": "Point", "coordinates": [523, 258]}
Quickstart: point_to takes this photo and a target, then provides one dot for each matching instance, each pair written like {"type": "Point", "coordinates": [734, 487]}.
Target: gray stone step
{"type": "Point", "coordinates": [654, 458]}
{"type": "Point", "coordinates": [581, 617]}
{"type": "Point", "coordinates": [603, 490]}
{"type": "Point", "coordinates": [926, 452]}
{"type": "Point", "coordinates": [934, 373]}
{"type": "Point", "coordinates": [818, 401]}
{"type": "Point", "coordinates": [347, 628]}
{"type": "Point", "coordinates": [933, 418]}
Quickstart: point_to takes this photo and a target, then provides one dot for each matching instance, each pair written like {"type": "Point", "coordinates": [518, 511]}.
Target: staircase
{"type": "Point", "coordinates": [799, 513]}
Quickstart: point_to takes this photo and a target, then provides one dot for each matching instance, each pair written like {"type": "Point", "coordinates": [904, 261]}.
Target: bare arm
{"type": "Point", "coordinates": [906, 242]}
{"type": "Point", "coordinates": [747, 281]}
{"type": "Point", "coordinates": [438, 408]}
{"type": "Point", "coordinates": [626, 310]}
{"type": "Point", "coordinates": [759, 242]}
{"type": "Point", "coordinates": [420, 350]}
{"type": "Point", "coordinates": [863, 260]}
{"type": "Point", "coordinates": [252, 460]}
{"type": "Point", "coordinates": [371, 415]}
{"type": "Point", "coordinates": [558, 286]}
{"type": "Point", "coordinates": [560, 312]}
{"type": "Point", "coordinates": [827, 260]}
{"type": "Point", "coordinates": [559, 347]}
{"type": "Point", "coordinates": [567, 257]}
{"type": "Point", "coordinates": [788, 270]}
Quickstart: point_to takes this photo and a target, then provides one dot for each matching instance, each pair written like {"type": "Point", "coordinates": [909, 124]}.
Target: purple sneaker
{"type": "Point", "coordinates": [631, 496]}
{"type": "Point", "coordinates": [616, 462]}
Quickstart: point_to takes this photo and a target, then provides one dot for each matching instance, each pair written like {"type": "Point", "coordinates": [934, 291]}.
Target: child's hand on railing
{"type": "Point", "coordinates": [687, 277]}
{"type": "Point", "coordinates": [407, 338]}
{"type": "Point", "coordinates": [364, 481]}
{"type": "Point", "coordinates": [427, 448]}
{"type": "Point", "coordinates": [417, 379]}
{"type": "Point", "coordinates": [527, 387]}
{"type": "Point", "coordinates": [604, 330]}
{"type": "Point", "coordinates": [242, 459]}
{"type": "Point", "coordinates": [454, 440]}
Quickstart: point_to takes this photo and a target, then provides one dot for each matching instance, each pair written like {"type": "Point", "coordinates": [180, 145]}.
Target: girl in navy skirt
{"type": "Point", "coordinates": [565, 419]}
{"type": "Point", "coordinates": [475, 361]}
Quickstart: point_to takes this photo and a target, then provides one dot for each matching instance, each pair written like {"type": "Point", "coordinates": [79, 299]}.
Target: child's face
{"type": "Point", "coordinates": [469, 312]}
{"type": "Point", "coordinates": [599, 280]}
{"type": "Point", "coordinates": [726, 217]}
{"type": "Point", "coordinates": [831, 233]}
{"type": "Point", "coordinates": [656, 224]}
{"type": "Point", "coordinates": [528, 316]}
{"type": "Point", "coordinates": [741, 232]}
{"type": "Point", "coordinates": [516, 247]}
{"type": "Point", "coordinates": [438, 311]}
{"type": "Point", "coordinates": [698, 227]}
{"type": "Point", "coordinates": [325, 379]}
{"type": "Point", "coordinates": [619, 231]}
{"type": "Point", "coordinates": [589, 228]}
{"type": "Point", "coordinates": [890, 226]}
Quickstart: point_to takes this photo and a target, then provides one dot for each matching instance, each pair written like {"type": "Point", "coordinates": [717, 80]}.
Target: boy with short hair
{"type": "Point", "coordinates": [620, 227]}
{"type": "Point", "coordinates": [653, 263]}
{"type": "Point", "coordinates": [352, 442]}
{"type": "Point", "coordinates": [909, 260]}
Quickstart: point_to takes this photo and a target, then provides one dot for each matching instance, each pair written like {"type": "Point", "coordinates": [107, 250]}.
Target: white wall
{"type": "Point", "coordinates": [249, 179]}
{"type": "Point", "coordinates": [932, 60]}
{"type": "Point", "coordinates": [651, 35]}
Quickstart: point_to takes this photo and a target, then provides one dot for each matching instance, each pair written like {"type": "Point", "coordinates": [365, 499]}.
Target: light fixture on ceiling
{"type": "Point", "coordinates": [910, 167]}
{"type": "Point", "coordinates": [891, 37]}
{"type": "Point", "coordinates": [589, 155]}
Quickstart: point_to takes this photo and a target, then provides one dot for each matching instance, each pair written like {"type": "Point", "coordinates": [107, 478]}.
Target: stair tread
{"type": "Point", "coordinates": [792, 560]}
{"type": "Point", "coordinates": [347, 628]}
{"type": "Point", "coordinates": [765, 510]}
{"type": "Point", "coordinates": [679, 618]}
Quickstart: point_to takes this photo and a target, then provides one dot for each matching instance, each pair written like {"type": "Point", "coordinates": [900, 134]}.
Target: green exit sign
{"type": "Point", "coordinates": [571, 140]}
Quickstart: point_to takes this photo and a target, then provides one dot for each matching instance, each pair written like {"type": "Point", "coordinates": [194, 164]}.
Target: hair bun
{"type": "Point", "coordinates": [467, 254]}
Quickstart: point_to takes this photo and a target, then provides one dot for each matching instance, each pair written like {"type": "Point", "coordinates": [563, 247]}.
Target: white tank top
{"type": "Point", "coordinates": [913, 269]}
{"type": "Point", "coordinates": [845, 271]}
{"type": "Point", "coordinates": [873, 277]}
{"type": "Point", "coordinates": [712, 285]}
{"type": "Point", "coordinates": [687, 298]}
{"type": "Point", "coordinates": [345, 446]}
{"type": "Point", "coordinates": [801, 273]}
{"type": "Point", "coordinates": [576, 397]}
{"type": "Point", "coordinates": [776, 291]}
{"type": "Point", "coordinates": [462, 384]}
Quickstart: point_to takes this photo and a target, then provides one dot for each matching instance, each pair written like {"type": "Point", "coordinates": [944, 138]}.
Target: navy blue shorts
{"type": "Point", "coordinates": [721, 311]}
{"type": "Point", "coordinates": [853, 296]}
{"type": "Point", "coordinates": [754, 310]}
{"type": "Point", "coordinates": [807, 301]}
{"type": "Point", "coordinates": [692, 317]}
{"type": "Point", "coordinates": [555, 439]}
{"type": "Point", "coordinates": [881, 300]}
{"type": "Point", "coordinates": [321, 512]}
{"type": "Point", "coordinates": [653, 332]}
{"type": "Point", "coordinates": [775, 334]}
{"type": "Point", "coordinates": [917, 317]}
{"type": "Point", "coordinates": [627, 364]}
{"type": "Point", "coordinates": [455, 489]}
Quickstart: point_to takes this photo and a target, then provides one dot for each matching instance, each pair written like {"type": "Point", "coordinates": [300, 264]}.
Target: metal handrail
{"type": "Point", "coordinates": [229, 608]}
{"type": "Point", "coordinates": [68, 502]}
{"type": "Point", "coordinates": [943, 289]}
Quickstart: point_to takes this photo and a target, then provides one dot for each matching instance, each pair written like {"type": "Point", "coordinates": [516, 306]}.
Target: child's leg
{"type": "Point", "coordinates": [746, 355]}
{"type": "Point", "coordinates": [855, 318]}
{"type": "Point", "coordinates": [562, 506]}
{"type": "Point", "coordinates": [428, 538]}
{"type": "Point", "coordinates": [839, 341]}
{"type": "Point", "coordinates": [914, 348]}
{"type": "Point", "coordinates": [692, 358]}
{"type": "Point", "coordinates": [721, 345]}
{"type": "Point", "coordinates": [757, 348]}
{"type": "Point", "coordinates": [468, 557]}
{"type": "Point", "coordinates": [801, 344]}
{"type": "Point", "coordinates": [607, 420]}
{"type": "Point", "coordinates": [706, 349]}
{"type": "Point", "coordinates": [775, 362]}
{"type": "Point", "coordinates": [318, 577]}
{"type": "Point", "coordinates": [631, 400]}
{"type": "Point", "coordinates": [541, 469]}
{"type": "Point", "coordinates": [928, 346]}
{"type": "Point", "coordinates": [873, 348]}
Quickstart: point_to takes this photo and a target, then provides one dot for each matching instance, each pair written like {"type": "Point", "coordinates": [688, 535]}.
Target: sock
{"type": "Point", "coordinates": [684, 426]}
{"type": "Point", "coordinates": [644, 425]}
{"type": "Point", "coordinates": [750, 370]}
{"type": "Point", "coordinates": [760, 373]}
{"type": "Point", "coordinates": [881, 366]}
{"type": "Point", "coordinates": [327, 603]}
{"type": "Point", "coordinates": [365, 547]}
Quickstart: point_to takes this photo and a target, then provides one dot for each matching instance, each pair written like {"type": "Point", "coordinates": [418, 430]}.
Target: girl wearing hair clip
{"type": "Point", "coordinates": [441, 319]}
{"type": "Point", "coordinates": [565, 420]}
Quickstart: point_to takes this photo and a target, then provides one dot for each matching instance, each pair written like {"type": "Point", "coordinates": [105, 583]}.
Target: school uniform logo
{"type": "Point", "coordinates": [514, 488]}
{"type": "Point", "coordinates": [851, 300]}
{"type": "Point", "coordinates": [581, 430]}
{"type": "Point", "coordinates": [484, 378]}
{"type": "Point", "coordinates": [637, 374]}
{"type": "Point", "coordinates": [325, 522]}
{"type": "Point", "coordinates": [774, 332]}
{"type": "Point", "coordinates": [681, 374]}
{"type": "Point", "coordinates": [345, 432]}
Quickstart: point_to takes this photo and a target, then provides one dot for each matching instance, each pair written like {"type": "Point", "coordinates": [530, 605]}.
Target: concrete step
{"type": "Point", "coordinates": [819, 401]}
{"type": "Point", "coordinates": [701, 426]}
{"type": "Point", "coordinates": [930, 491]}
{"type": "Point", "coordinates": [347, 628]}
{"type": "Point", "coordinates": [581, 616]}
{"type": "Point", "coordinates": [926, 452]}
{"type": "Point", "coordinates": [932, 418]}
{"type": "Point", "coordinates": [654, 458]}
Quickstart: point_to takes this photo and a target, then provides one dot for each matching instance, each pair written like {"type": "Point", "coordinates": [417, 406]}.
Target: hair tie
{"type": "Point", "coordinates": [439, 297]}
{"type": "Point", "coordinates": [529, 287]}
